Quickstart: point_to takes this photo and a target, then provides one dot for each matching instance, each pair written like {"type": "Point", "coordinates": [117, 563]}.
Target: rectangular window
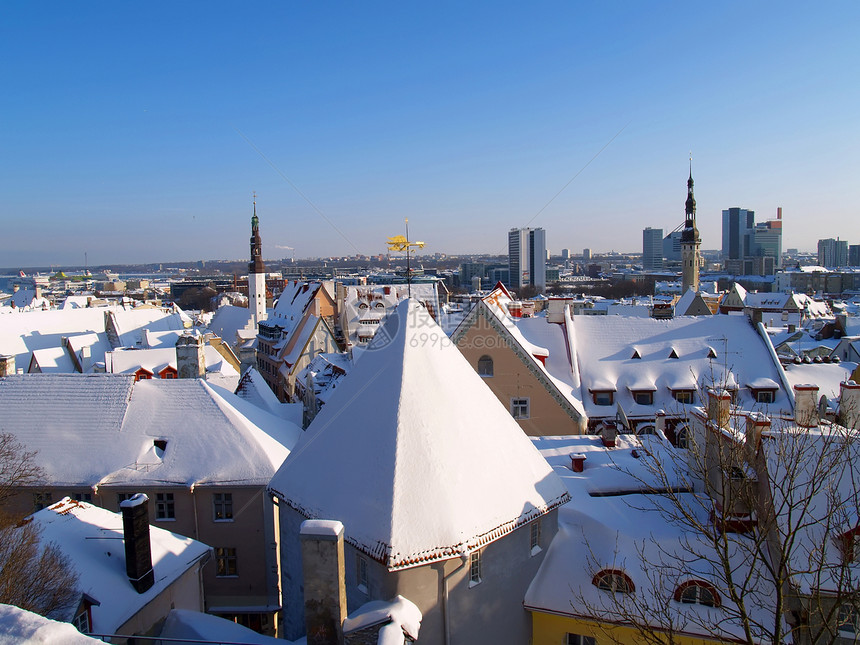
{"type": "Point", "coordinates": [643, 398]}
{"type": "Point", "coordinates": [764, 396]}
{"type": "Point", "coordinates": [82, 622]}
{"type": "Point", "coordinates": [475, 568]}
{"type": "Point", "coordinates": [83, 497]}
{"type": "Point", "coordinates": [603, 398]}
{"type": "Point", "coordinates": [578, 639]}
{"type": "Point", "coordinates": [225, 562]}
{"type": "Point", "coordinates": [121, 497]}
{"type": "Point", "coordinates": [164, 509]}
{"type": "Point", "coordinates": [520, 408]}
{"type": "Point", "coordinates": [222, 507]}
{"type": "Point", "coordinates": [534, 537]}
{"type": "Point", "coordinates": [683, 396]}
{"type": "Point", "coordinates": [361, 574]}
{"type": "Point", "coordinates": [41, 500]}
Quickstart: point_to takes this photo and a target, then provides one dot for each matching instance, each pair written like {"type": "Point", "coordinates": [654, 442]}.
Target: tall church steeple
{"type": "Point", "coordinates": [256, 264]}
{"type": "Point", "coordinates": [690, 241]}
{"type": "Point", "coordinates": [256, 272]}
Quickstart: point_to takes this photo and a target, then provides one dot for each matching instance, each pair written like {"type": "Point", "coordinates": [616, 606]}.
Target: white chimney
{"type": "Point", "coordinates": [86, 358]}
{"type": "Point", "coordinates": [756, 424]}
{"type": "Point", "coordinates": [849, 404]}
{"type": "Point", "coordinates": [324, 581]}
{"type": "Point", "coordinates": [806, 405]}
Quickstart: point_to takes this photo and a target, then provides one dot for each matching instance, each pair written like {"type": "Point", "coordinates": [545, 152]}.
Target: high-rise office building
{"type": "Point", "coordinates": [832, 253]}
{"type": "Point", "coordinates": [565, 254]}
{"type": "Point", "coordinates": [672, 246]}
{"type": "Point", "coordinates": [652, 249]}
{"type": "Point", "coordinates": [750, 248]}
{"type": "Point", "coordinates": [738, 225]}
{"type": "Point", "coordinates": [586, 254]}
{"type": "Point", "coordinates": [854, 255]}
{"type": "Point", "coordinates": [527, 257]}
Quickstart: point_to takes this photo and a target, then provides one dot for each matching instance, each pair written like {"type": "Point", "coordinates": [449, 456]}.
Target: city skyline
{"type": "Point", "coordinates": [139, 133]}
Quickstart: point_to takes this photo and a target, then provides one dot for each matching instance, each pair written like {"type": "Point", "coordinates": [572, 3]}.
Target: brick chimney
{"type": "Point", "coordinates": [806, 405]}
{"type": "Point", "coordinates": [325, 581]}
{"type": "Point", "coordinates": [135, 529]}
{"type": "Point", "coordinates": [190, 359]}
{"type": "Point", "coordinates": [849, 404]}
{"type": "Point", "coordinates": [7, 365]}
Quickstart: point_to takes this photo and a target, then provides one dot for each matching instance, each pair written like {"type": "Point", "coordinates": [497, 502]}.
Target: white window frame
{"type": "Point", "coordinates": [579, 639]}
{"type": "Point", "coordinates": [520, 407]}
{"type": "Point", "coordinates": [847, 616]}
{"type": "Point", "coordinates": [81, 622]}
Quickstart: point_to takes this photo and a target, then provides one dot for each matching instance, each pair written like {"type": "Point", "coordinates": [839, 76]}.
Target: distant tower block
{"type": "Point", "coordinates": [256, 272]}
{"type": "Point", "coordinates": [690, 242]}
{"type": "Point", "coordinates": [190, 359]}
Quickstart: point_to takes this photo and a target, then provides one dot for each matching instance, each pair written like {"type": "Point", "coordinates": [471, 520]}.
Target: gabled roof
{"type": "Point", "coordinates": [91, 429]}
{"type": "Point", "coordinates": [92, 538]}
{"type": "Point", "coordinates": [415, 455]}
{"type": "Point", "coordinates": [293, 303]}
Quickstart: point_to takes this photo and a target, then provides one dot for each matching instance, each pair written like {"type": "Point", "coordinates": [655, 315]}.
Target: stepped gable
{"type": "Point", "coordinates": [414, 453]}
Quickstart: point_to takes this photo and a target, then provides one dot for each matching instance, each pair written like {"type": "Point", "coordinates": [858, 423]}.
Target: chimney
{"type": "Point", "coordinates": [7, 365]}
{"type": "Point", "coordinates": [849, 404]}
{"type": "Point", "coordinates": [86, 358]}
{"type": "Point", "coordinates": [190, 360]}
{"type": "Point", "coordinates": [660, 423]}
{"type": "Point", "coordinates": [609, 434]}
{"type": "Point", "coordinates": [719, 407]}
{"type": "Point", "coordinates": [325, 581]}
{"type": "Point", "coordinates": [756, 424]}
{"type": "Point", "coordinates": [135, 529]}
{"type": "Point", "coordinates": [806, 405]}
{"type": "Point", "coordinates": [577, 462]}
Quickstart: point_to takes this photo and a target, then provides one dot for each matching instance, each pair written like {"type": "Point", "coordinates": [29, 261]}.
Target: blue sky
{"type": "Point", "coordinates": [139, 131]}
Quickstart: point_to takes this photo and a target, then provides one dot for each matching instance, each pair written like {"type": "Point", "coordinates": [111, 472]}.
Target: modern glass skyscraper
{"type": "Point", "coordinates": [738, 225]}
{"type": "Point", "coordinates": [652, 249]}
{"type": "Point", "coordinates": [527, 257]}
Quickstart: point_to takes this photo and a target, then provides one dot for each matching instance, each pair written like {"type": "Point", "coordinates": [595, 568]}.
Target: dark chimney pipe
{"type": "Point", "coordinates": [135, 529]}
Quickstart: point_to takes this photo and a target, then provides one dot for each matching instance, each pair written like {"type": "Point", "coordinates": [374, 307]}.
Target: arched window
{"type": "Point", "coordinates": [697, 592]}
{"type": "Point", "coordinates": [613, 580]}
{"type": "Point", "coordinates": [485, 366]}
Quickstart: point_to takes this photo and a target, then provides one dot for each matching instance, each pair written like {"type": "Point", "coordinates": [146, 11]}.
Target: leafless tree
{"type": "Point", "coordinates": [767, 514]}
{"type": "Point", "coordinates": [34, 576]}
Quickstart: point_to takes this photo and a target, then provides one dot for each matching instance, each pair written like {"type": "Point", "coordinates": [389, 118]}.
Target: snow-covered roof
{"type": "Point", "coordinates": [253, 388]}
{"type": "Point", "coordinates": [722, 350]}
{"type": "Point", "coordinates": [195, 626]}
{"type": "Point", "coordinates": [23, 333]}
{"type": "Point", "coordinates": [128, 361]}
{"type": "Point", "coordinates": [21, 626]}
{"type": "Point", "coordinates": [293, 302]}
{"type": "Point", "coordinates": [400, 618]}
{"type": "Point", "coordinates": [414, 453]}
{"type": "Point", "coordinates": [827, 376]}
{"type": "Point", "coordinates": [92, 538]}
{"type": "Point", "coordinates": [228, 320]}
{"type": "Point", "coordinates": [615, 521]}
{"type": "Point", "coordinates": [99, 429]}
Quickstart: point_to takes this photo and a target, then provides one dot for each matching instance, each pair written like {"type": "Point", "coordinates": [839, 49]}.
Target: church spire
{"type": "Point", "coordinates": [690, 240]}
{"type": "Point", "coordinates": [256, 264]}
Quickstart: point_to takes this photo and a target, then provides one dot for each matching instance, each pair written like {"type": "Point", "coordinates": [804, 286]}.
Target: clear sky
{"type": "Point", "coordinates": [138, 131]}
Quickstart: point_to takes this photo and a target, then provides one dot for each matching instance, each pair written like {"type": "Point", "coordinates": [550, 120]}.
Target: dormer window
{"type": "Point", "coordinates": [674, 353]}
{"type": "Point", "coordinates": [697, 592]}
{"type": "Point", "coordinates": [603, 397]}
{"type": "Point", "coordinates": [712, 353]}
{"type": "Point", "coordinates": [636, 354]}
{"type": "Point", "coordinates": [613, 580]}
{"type": "Point", "coordinates": [643, 397]}
{"type": "Point", "coordinates": [683, 396]}
{"type": "Point", "coordinates": [764, 396]}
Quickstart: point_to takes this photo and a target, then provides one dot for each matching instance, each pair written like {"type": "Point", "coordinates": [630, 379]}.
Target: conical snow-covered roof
{"type": "Point", "coordinates": [415, 454]}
